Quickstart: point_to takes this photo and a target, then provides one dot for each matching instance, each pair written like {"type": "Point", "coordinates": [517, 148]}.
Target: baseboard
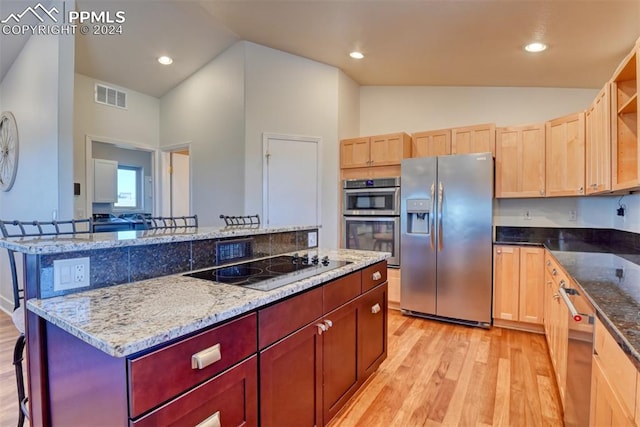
{"type": "Point", "coordinates": [520, 326]}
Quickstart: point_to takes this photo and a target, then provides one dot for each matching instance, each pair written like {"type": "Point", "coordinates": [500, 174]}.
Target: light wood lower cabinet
{"type": "Point", "coordinates": [613, 382]}
{"type": "Point", "coordinates": [518, 284]}
{"type": "Point", "coordinates": [556, 322]}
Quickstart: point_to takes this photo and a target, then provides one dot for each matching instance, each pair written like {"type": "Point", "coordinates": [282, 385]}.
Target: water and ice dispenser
{"type": "Point", "coordinates": [418, 213]}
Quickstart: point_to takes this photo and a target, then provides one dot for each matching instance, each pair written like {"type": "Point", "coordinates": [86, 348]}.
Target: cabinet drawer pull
{"type": "Point", "coordinates": [375, 309]}
{"type": "Point", "coordinates": [321, 328]}
{"type": "Point", "coordinates": [377, 275]}
{"type": "Point", "coordinates": [206, 357]}
{"type": "Point", "coordinates": [329, 323]}
{"type": "Point", "coordinates": [212, 421]}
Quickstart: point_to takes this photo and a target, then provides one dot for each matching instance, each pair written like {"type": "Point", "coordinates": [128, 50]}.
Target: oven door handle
{"type": "Point", "coordinates": [572, 308]}
{"type": "Point", "coordinates": [390, 190]}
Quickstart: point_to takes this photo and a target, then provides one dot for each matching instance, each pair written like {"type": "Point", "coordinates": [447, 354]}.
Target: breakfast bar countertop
{"type": "Point", "coordinates": [129, 318]}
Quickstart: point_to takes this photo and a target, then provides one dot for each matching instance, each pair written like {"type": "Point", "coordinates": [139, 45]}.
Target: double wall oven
{"type": "Point", "coordinates": [371, 216]}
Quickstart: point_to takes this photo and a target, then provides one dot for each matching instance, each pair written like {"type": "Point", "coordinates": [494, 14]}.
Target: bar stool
{"type": "Point", "coordinates": [31, 229]}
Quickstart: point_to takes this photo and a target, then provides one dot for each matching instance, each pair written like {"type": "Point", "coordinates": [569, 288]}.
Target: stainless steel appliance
{"type": "Point", "coordinates": [446, 237]}
{"type": "Point", "coordinates": [579, 355]}
{"type": "Point", "coordinates": [371, 220]}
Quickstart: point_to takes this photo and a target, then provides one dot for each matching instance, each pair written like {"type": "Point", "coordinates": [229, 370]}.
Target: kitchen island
{"type": "Point", "coordinates": [169, 348]}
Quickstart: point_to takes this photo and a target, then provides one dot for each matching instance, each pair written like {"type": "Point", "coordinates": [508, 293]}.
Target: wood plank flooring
{"type": "Point", "coordinates": [436, 374]}
{"type": "Point", "coordinates": [8, 393]}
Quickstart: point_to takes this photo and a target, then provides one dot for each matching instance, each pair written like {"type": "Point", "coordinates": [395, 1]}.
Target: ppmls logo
{"type": "Point", "coordinates": [39, 11]}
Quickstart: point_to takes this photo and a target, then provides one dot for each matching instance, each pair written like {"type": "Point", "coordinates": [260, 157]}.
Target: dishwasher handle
{"type": "Point", "coordinates": [572, 309]}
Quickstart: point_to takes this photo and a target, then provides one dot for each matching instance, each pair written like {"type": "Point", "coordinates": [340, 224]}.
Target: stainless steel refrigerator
{"type": "Point", "coordinates": [446, 237]}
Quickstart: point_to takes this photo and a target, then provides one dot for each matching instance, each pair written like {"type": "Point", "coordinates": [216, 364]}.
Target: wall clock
{"type": "Point", "coordinates": [8, 150]}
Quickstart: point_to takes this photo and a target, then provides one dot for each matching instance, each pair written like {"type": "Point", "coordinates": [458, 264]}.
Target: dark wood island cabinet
{"type": "Point", "coordinates": [296, 362]}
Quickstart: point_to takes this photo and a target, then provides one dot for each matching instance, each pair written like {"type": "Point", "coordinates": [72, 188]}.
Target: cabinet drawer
{"type": "Point", "coordinates": [616, 366]}
{"type": "Point", "coordinates": [340, 291]}
{"type": "Point", "coordinates": [231, 397]}
{"type": "Point", "coordinates": [165, 373]}
{"type": "Point", "coordinates": [373, 275]}
{"type": "Point", "coordinates": [285, 317]}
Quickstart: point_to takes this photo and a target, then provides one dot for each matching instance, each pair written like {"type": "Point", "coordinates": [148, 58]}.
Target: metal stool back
{"type": "Point", "coordinates": [31, 229]}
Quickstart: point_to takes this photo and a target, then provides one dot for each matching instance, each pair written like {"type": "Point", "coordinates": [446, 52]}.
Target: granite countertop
{"type": "Point", "coordinates": [125, 319]}
{"type": "Point", "coordinates": [79, 242]}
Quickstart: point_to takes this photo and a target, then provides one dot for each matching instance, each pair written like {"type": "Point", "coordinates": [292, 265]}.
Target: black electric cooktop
{"type": "Point", "coordinates": [271, 273]}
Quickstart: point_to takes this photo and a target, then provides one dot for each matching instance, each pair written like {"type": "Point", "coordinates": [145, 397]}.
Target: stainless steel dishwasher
{"type": "Point", "coordinates": [579, 354]}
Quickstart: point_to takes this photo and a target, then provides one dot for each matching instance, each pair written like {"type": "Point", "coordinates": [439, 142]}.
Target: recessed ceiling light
{"type": "Point", "coordinates": [165, 60]}
{"type": "Point", "coordinates": [535, 47]}
{"type": "Point", "coordinates": [356, 55]}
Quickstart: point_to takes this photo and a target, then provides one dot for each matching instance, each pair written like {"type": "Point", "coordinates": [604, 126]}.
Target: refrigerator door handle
{"type": "Point", "coordinates": [432, 238]}
{"type": "Point", "coordinates": [440, 232]}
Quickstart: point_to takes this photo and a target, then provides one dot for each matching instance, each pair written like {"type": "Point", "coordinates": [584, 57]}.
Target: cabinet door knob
{"type": "Point", "coordinates": [321, 328]}
{"type": "Point", "coordinates": [581, 190]}
{"type": "Point", "coordinates": [554, 272]}
{"type": "Point", "coordinates": [375, 308]}
{"type": "Point", "coordinates": [376, 276]}
{"type": "Point", "coordinates": [329, 323]}
{"type": "Point", "coordinates": [206, 357]}
{"type": "Point", "coordinates": [541, 192]}
{"type": "Point", "coordinates": [498, 251]}
{"type": "Point", "coordinates": [548, 262]}
{"type": "Point", "coordinates": [212, 421]}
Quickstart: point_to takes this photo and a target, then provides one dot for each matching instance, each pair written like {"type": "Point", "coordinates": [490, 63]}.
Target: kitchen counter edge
{"type": "Point", "coordinates": [89, 241]}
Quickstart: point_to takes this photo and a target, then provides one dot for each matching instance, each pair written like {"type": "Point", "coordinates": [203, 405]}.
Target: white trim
{"type": "Point", "coordinates": [266, 136]}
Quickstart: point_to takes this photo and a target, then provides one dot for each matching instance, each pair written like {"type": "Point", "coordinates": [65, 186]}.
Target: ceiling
{"type": "Point", "coordinates": [422, 42]}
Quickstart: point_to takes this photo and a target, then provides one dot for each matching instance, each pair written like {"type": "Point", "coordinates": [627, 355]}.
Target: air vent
{"type": "Point", "coordinates": [110, 96]}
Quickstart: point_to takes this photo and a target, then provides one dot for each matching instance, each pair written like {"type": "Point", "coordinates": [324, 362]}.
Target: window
{"type": "Point", "coordinates": [129, 187]}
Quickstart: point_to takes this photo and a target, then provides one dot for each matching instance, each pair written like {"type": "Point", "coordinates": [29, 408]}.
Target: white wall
{"type": "Point", "coordinates": [139, 124]}
{"type": "Point", "coordinates": [386, 109]}
{"type": "Point", "coordinates": [207, 111]}
{"type": "Point", "coordinates": [36, 89]}
{"type": "Point", "coordinates": [287, 94]}
{"type": "Point", "coordinates": [631, 219]}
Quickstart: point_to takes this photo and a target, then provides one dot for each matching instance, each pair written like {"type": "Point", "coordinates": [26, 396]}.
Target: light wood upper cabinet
{"type": "Point", "coordinates": [354, 153]}
{"type": "Point", "coordinates": [431, 143]}
{"type": "Point", "coordinates": [382, 150]}
{"type": "Point", "coordinates": [474, 139]}
{"type": "Point", "coordinates": [598, 143]}
{"type": "Point", "coordinates": [624, 124]}
{"type": "Point", "coordinates": [565, 154]}
{"type": "Point", "coordinates": [520, 161]}
{"type": "Point", "coordinates": [518, 291]}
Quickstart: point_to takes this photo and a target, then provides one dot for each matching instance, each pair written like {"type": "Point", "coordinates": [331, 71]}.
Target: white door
{"type": "Point", "coordinates": [180, 183]}
{"type": "Point", "coordinates": [291, 185]}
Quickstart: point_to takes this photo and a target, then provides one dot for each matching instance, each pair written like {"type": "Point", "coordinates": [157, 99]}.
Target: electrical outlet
{"type": "Point", "coordinates": [527, 215]}
{"type": "Point", "coordinates": [573, 216]}
{"type": "Point", "coordinates": [70, 273]}
{"type": "Point", "coordinates": [312, 239]}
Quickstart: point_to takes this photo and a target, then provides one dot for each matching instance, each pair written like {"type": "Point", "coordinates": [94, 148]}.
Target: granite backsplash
{"type": "Point", "coordinates": [573, 239]}
{"type": "Point", "coordinates": [114, 266]}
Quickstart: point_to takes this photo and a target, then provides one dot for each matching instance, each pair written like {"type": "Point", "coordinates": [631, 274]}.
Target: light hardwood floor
{"type": "Point", "coordinates": [438, 374]}
{"type": "Point", "coordinates": [435, 374]}
{"type": "Point", "coordinates": [8, 393]}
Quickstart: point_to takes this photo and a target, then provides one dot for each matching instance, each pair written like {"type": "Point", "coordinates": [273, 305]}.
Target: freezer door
{"type": "Point", "coordinates": [465, 192]}
{"type": "Point", "coordinates": [417, 238]}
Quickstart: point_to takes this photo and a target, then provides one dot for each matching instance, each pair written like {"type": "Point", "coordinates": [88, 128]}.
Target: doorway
{"type": "Point", "coordinates": [176, 180]}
